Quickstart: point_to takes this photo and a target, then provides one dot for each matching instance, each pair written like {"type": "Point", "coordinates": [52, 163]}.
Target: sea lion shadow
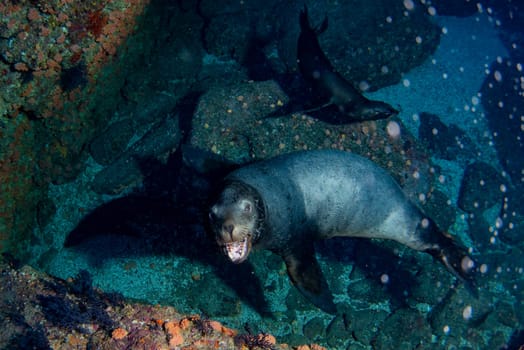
{"type": "Point", "coordinates": [376, 262]}
{"type": "Point", "coordinates": [165, 217]}
{"type": "Point", "coordinates": [139, 225]}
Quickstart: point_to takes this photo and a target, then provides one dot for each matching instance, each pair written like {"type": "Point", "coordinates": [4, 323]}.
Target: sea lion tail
{"type": "Point", "coordinates": [444, 248]}
{"type": "Point", "coordinates": [457, 260]}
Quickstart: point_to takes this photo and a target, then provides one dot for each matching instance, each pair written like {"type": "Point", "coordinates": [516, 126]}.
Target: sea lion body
{"type": "Point", "coordinates": [286, 203]}
{"type": "Point", "coordinates": [316, 68]}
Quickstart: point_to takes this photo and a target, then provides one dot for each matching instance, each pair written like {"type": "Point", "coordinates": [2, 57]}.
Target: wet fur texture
{"type": "Point", "coordinates": [306, 196]}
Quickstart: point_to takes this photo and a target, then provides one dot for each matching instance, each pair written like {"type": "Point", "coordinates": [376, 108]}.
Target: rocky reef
{"type": "Point", "coordinates": [117, 118]}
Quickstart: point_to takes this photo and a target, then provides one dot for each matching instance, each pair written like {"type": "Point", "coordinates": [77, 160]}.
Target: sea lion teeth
{"type": "Point", "coordinates": [237, 251]}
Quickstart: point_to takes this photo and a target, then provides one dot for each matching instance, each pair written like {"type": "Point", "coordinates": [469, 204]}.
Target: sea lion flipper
{"type": "Point", "coordinates": [306, 275]}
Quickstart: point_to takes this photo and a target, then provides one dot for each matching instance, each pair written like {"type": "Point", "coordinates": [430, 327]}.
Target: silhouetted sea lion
{"type": "Point", "coordinates": [316, 68]}
{"type": "Point", "coordinates": [286, 203]}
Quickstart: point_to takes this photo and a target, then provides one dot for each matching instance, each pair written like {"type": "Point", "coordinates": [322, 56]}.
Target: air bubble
{"type": "Point", "coordinates": [406, 82]}
{"type": "Point", "coordinates": [393, 129]}
{"type": "Point", "coordinates": [432, 11]}
{"type": "Point", "coordinates": [363, 85]}
{"type": "Point", "coordinates": [480, 9]}
{"type": "Point", "coordinates": [483, 268]}
{"type": "Point", "coordinates": [384, 278]}
{"type": "Point", "coordinates": [498, 76]}
{"type": "Point", "coordinates": [467, 263]}
{"type": "Point", "coordinates": [446, 329]}
{"type": "Point", "coordinates": [409, 4]}
{"type": "Point", "coordinates": [467, 313]}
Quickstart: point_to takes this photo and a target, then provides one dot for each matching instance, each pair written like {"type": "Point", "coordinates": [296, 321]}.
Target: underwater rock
{"type": "Point", "coordinates": [404, 329]}
{"type": "Point", "coordinates": [440, 208]}
{"type": "Point", "coordinates": [458, 314]}
{"type": "Point", "coordinates": [110, 144]}
{"type": "Point", "coordinates": [363, 49]}
{"type": "Point", "coordinates": [360, 42]}
{"type": "Point", "coordinates": [337, 335]}
{"type": "Point", "coordinates": [503, 103]}
{"type": "Point", "coordinates": [512, 231]}
{"type": "Point", "coordinates": [135, 164]}
{"type": "Point", "coordinates": [42, 312]}
{"type": "Point", "coordinates": [364, 324]}
{"type": "Point", "coordinates": [297, 302]}
{"type": "Point", "coordinates": [481, 232]}
{"type": "Point", "coordinates": [480, 188]}
{"type": "Point", "coordinates": [227, 116]}
{"type": "Point", "coordinates": [314, 329]}
{"type": "Point", "coordinates": [446, 142]}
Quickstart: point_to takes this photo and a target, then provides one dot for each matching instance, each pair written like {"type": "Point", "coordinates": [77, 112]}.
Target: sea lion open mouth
{"type": "Point", "coordinates": [237, 251]}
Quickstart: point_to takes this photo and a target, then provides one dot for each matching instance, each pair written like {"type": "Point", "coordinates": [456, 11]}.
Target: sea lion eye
{"type": "Point", "coordinates": [246, 206]}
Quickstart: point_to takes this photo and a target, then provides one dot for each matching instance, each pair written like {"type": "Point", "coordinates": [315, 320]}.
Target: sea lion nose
{"type": "Point", "coordinates": [228, 228]}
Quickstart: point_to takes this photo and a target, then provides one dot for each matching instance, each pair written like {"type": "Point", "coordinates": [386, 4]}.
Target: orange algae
{"type": "Point", "coordinates": [33, 14]}
{"type": "Point", "coordinates": [95, 22]}
{"type": "Point", "coordinates": [119, 333]}
{"type": "Point", "coordinates": [174, 333]}
{"type": "Point", "coordinates": [217, 326]}
{"type": "Point", "coordinates": [21, 67]}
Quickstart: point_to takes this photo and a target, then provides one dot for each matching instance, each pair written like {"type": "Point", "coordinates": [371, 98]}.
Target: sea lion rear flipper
{"type": "Point", "coordinates": [306, 275]}
{"type": "Point", "coordinates": [455, 257]}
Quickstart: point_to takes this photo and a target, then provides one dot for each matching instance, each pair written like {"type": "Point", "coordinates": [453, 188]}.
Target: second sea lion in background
{"type": "Point", "coordinates": [316, 68]}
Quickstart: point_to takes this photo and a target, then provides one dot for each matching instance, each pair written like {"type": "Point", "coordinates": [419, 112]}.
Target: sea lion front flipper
{"type": "Point", "coordinates": [306, 275]}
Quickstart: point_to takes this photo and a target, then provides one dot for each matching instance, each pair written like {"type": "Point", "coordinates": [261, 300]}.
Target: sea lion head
{"type": "Point", "coordinates": [371, 110]}
{"type": "Point", "coordinates": [235, 219]}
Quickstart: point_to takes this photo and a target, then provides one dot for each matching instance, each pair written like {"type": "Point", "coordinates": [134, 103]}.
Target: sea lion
{"type": "Point", "coordinates": [286, 203]}
{"type": "Point", "coordinates": [316, 68]}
